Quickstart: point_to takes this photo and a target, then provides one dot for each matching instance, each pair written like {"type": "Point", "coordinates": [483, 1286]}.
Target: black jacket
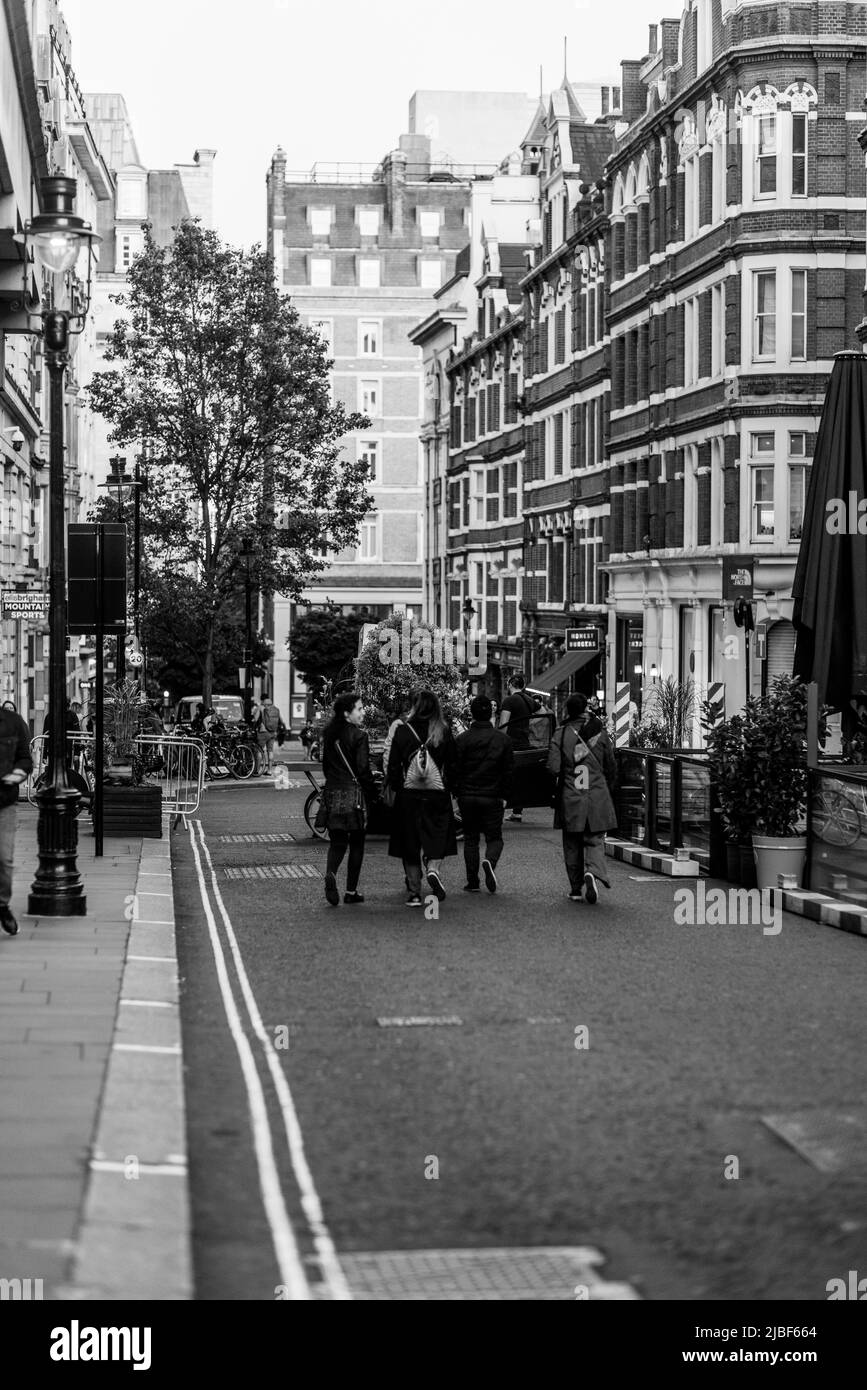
{"type": "Point", "coordinates": [14, 753]}
{"type": "Point", "coordinates": [355, 745]}
{"type": "Point", "coordinates": [485, 762]}
{"type": "Point", "coordinates": [404, 745]}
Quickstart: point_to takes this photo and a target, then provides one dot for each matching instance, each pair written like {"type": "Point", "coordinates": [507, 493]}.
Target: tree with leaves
{"type": "Point", "coordinates": [227, 393]}
{"type": "Point", "coordinates": [322, 644]}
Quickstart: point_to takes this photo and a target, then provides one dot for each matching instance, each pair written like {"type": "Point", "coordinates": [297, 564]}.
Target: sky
{"type": "Point", "coordinates": [327, 81]}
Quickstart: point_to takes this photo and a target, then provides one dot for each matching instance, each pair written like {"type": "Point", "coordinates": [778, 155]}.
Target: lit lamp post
{"type": "Point", "coordinates": [58, 237]}
{"type": "Point", "coordinates": [247, 552]}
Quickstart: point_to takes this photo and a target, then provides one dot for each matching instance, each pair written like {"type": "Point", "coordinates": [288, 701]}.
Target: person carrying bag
{"type": "Point", "coordinates": [420, 773]}
{"type": "Point", "coordinates": [349, 785]}
{"type": "Point", "coordinates": [582, 760]}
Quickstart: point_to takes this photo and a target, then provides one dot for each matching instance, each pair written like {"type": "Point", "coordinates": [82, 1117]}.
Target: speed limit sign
{"type": "Point", "coordinates": [135, 659]}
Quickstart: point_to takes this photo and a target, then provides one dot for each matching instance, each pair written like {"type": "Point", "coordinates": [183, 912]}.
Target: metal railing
{"type": "Point", "coordinates": [837, 831]}
{"type": "Point", "coordinates": [664, 801]}
{"type": "Point", "coordinates": [176, 764]}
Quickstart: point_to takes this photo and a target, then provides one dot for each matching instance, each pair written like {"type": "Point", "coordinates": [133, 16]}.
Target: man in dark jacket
{"type": "Point", "coordinates": [15, 765]}
{"type": "Point", "coordinates": [515, 715]}
{"type": "Point", "coordinates": [485, 761]}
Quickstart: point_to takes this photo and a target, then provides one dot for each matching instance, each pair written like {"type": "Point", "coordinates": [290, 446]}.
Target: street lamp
{"type": "Point", "coordinates": [247, 552]}
{"type": "Point", "coordinates": [469, 613]}
{"type": "Point", "coordinates": [58, 236]}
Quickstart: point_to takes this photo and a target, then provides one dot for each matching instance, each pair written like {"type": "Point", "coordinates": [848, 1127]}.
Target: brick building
{"type": "Point", "coordinates": [735, 266]}
{"type": "Point", "coordinates": [44, 130]}
{"type": "Point", "coordinates": [528, 399]}
{"type": "Point", "coordinates": [362, 251]}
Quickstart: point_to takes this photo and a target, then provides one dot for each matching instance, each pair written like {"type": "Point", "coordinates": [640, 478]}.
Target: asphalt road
{"type": "Point", "coordinates": [694, 1034]}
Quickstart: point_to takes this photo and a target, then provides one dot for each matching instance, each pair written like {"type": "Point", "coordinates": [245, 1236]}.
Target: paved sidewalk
{"type": "Point", "coordinates": [60, 987]}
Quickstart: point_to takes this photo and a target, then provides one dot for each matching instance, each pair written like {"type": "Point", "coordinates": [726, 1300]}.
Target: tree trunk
{"type": "Point", "coordinates": [208, 674]}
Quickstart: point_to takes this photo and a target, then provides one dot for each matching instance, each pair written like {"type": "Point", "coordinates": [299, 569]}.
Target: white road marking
{"type": "Point", "coordinates": [285, 1246]}
{"type": "Point", "coordinates": [332, 1273]}
{"type": "Point", "coordinates": [143, 1047]}
{"type": "Point", "coordinates": [148, 1170]}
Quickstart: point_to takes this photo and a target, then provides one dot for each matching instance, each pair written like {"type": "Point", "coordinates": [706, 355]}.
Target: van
{"type": "Point", "coordinates": [229, 708]}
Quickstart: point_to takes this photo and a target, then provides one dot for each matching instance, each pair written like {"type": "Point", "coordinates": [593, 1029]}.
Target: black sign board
{"type": "Point", "coordinates": [737, 581]}
{"type": "Point", "coordinates": [582, 639]}
{"type": "Point", "coordinates": [82, 577]}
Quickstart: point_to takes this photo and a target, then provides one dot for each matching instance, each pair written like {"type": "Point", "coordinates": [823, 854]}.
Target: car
{"type": "Point", "coordinates": [229, 708]}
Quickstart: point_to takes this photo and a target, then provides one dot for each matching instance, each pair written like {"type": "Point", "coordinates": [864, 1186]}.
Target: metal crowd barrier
{"type": "Point", "coordinates": [176, 763]}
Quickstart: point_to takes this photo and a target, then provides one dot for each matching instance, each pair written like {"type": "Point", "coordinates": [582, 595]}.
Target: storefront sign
{"type": "Point", "coordinates": [737, 579]}
{"type": "Point", "coordinates": [582, 639]}
{"type": "Point", "coordinates": [34, 605]}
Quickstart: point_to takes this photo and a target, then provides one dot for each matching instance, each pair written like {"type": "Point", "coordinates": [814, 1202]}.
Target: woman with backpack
{"type": "Point", "coordinates": [349, 787]}
{"type": "Point", "coordinates": [582, 760]}
{"type": "Point", "coordinates": [420, 774]}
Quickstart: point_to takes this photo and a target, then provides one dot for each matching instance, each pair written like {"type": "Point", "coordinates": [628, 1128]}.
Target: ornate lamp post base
{"type": "Point", "coordinates": [57, 889]}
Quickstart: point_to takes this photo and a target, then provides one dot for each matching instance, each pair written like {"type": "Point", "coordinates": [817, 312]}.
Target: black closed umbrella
{"type": "Point", "coordinates": [830, 584]}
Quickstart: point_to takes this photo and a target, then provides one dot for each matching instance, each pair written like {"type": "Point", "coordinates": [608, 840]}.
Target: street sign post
{"type": "Point", "coordinates": [761, 639]}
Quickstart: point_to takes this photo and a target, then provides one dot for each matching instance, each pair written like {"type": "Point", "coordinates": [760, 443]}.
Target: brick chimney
{"type": "Point", "coordinates": [606, 96]}
{"type": "Point", "coordinates": [394, 177]}
{"type": "Point", "coordinates": [633, 97]}
{"type": "Point", "coordinates": [652, 38]}
{"type": "Point", "coordinates": [670, 42]}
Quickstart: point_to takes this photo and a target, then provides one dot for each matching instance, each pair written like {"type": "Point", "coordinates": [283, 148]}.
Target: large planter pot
{"type": "Point", "coordinates": [777, 855]}
{"type": "Point", "coordinates": [132, 811]}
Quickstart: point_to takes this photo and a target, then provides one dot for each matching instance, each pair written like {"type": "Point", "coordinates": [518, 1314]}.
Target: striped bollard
{"type": "Point", "coordinates": [716, 699]}
{"type": "Point", "coordinates": [621, 716]}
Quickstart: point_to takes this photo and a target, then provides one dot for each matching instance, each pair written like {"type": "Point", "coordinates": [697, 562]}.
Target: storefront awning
{"type": "Point", "coordinates": [562, 670]}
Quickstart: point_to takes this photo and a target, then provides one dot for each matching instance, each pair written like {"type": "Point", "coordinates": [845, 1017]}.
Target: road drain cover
{"type": "Point", "coordinates": [831, 1140]}
{"type": "Point", "coordinates": [536, 1273]}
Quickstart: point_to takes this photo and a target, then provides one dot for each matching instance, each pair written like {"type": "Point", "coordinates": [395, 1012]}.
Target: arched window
{"type": "Point", "coordinates": [776, 135]}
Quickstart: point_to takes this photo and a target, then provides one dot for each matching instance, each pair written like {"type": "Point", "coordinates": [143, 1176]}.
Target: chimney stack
{"type": "Point", "coordinates": [605, 100]}
{"type": "Point", "coordinates": [651, 46]}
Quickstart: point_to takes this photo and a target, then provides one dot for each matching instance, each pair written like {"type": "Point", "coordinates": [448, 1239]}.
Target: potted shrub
{"type": "Point", "coordinates": [759, 765]}
{"type": "Point", "coordinates": [775, 746]}
{"type": "Point", "coordinates": [130, 805]}
{"type": "Point", "coordinates": [733, 788]}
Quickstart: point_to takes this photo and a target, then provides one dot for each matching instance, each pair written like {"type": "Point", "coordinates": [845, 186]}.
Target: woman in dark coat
{"type": "Point", "coordinates": [582, 760]}
{"type": "Point", "coordinates": [423, 821]}
{"type": "Point", "coordinates": [349, 786]}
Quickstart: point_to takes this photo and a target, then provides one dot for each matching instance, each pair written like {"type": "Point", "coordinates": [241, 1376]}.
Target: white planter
{"type": "Point", "coordinates": [775, 855]}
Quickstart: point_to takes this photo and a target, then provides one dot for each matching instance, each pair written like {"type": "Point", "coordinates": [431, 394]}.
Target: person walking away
{"type": "Point", "coordinates": [582, 760]}
{"type": "Point", "coordinates": [420, 771]}
{"type": "Point", "coordinates": [349, 790]}
{"type": "Point", "coordinates": [518, 706]}
{"type": "Point", "coordinates": [15, 766]}
{"type": "Point", "coordinates": [269, 723]}
{"type": "Point", "coordinates": [485, 762]}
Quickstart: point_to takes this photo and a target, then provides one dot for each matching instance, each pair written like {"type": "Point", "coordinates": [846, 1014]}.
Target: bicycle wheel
{"type": "Point", "coordinates": [836, 819]}
{"type": "Point", "coordinates": [311, 806]}
{"type": "Point", "coordinates": [217, 766]}
{"type": "Point", "coordinates": [243, 761]}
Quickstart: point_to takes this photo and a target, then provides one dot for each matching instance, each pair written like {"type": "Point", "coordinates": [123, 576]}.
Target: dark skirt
{"type": "Point", "coordinates": [422, 823]}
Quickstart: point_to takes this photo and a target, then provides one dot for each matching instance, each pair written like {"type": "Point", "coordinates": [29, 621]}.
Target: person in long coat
{"type": "Point", "coordinates": [581, 758]}
{"type": "Point", "coordinates": [423, 823]}
{"type": "Point", "coordinates": [350, 789]}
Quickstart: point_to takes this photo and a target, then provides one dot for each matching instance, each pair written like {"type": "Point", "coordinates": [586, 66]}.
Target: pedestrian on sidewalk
{"type": "Point", "coordinates": [582, 760]}
{"type": "Point", "coordinates": [518, 706]}
{"type": "Point", "coordinates": [15, 766]}
{"type": "Point", "coordinates": [420, 771]}
{"type": "Point", "coordinates": [349, 789]}
{"type": "Point", "coordinates": [484, 767]}
{"type": "Point", "coordinates": [267, 729]}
